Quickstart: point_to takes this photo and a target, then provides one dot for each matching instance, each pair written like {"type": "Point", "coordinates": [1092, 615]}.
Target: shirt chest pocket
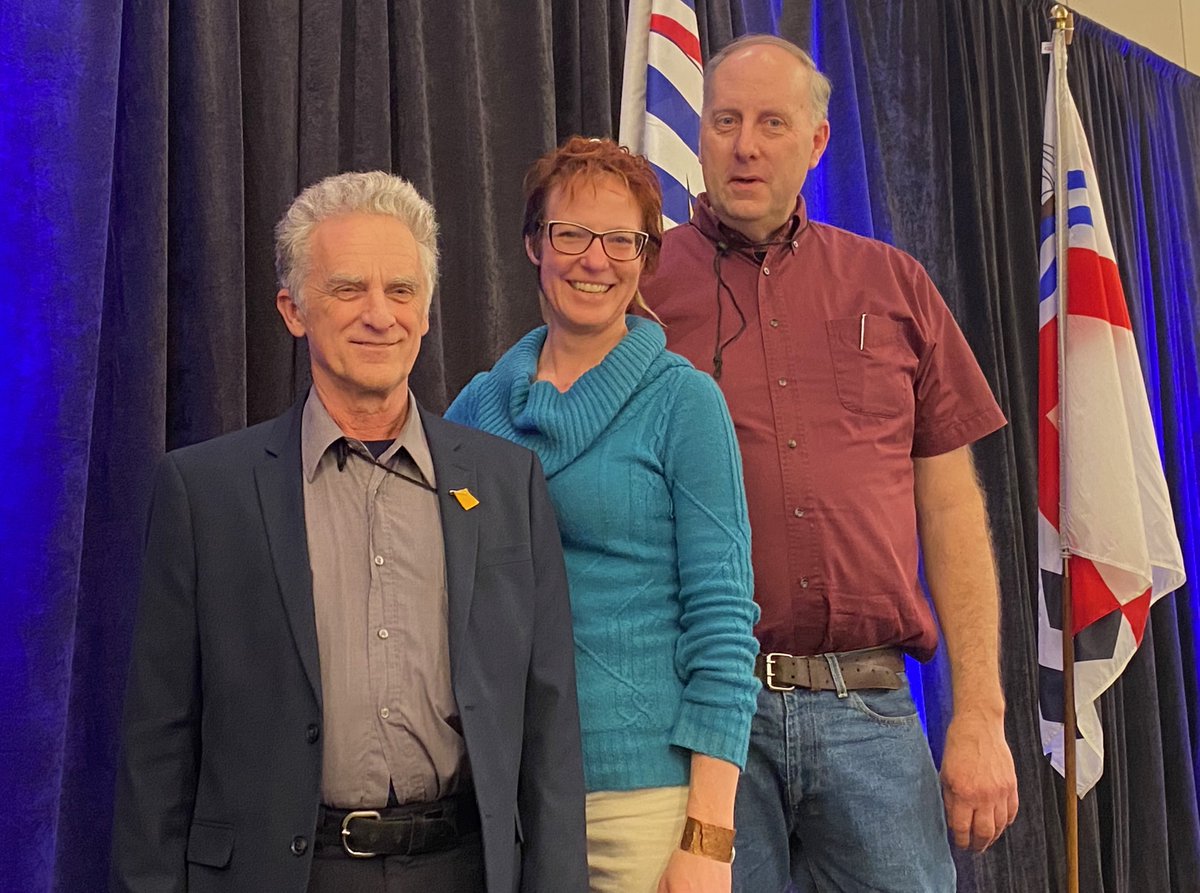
{"type": "Point", "coordinates": [872, 364]}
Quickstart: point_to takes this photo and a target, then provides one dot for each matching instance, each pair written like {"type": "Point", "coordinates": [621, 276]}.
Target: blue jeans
{"type": "Point", "coordinates": [840, 794]}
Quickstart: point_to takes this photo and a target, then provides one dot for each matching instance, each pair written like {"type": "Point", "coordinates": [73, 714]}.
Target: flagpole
{"type": "Point", "coordinates": [1064, 23]}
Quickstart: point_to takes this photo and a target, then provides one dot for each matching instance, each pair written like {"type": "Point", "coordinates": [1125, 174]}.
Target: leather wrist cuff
{"type": "Point", "coordinates": [711, 841]}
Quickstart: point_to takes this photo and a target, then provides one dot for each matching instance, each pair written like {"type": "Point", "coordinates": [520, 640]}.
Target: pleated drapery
{"type": "Point", "coordinates": [149, 148]}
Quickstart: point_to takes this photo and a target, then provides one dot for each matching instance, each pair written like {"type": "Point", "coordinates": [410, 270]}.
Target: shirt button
{"type": "Point", "coordinates": [383, 634]}
{"type": "Point", "coordinates": [783, 382]}
{"type": "Point", "coordinates": [384, 712]}
{"type": "Point", "coordinates": [795, 244]}
{"type": "Point", "coordinates": [792, 446]}
{"type": "Point", "coordinates": [766, 271]}
{"type": "Point", "coordinates": [799, 513]}
{"type": "Point", "coordinates": [774, 324]}
{"type": "Point", "coordinates": [299, 845]}
{"type": "Point", "coordinates": [378, 560]}
{"type": "Point", "coordinates": [312, 733]}
{"type": "Point", "coordinates": [804, 582]}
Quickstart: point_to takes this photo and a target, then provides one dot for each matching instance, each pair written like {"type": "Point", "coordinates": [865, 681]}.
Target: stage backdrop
{"type": "Point", "coordinates": [146, 157]}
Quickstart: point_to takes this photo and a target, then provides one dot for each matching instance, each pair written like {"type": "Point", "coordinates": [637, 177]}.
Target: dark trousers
{"type": "Point", "coordinates": [456, 870]}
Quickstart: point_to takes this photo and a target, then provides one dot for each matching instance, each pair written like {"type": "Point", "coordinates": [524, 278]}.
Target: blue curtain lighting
{"type": "Point", "coordinates": [58, 73]}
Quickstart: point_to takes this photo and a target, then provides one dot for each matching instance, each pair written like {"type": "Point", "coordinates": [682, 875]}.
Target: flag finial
{"type": "Point", "coordinates": [1063, 19]}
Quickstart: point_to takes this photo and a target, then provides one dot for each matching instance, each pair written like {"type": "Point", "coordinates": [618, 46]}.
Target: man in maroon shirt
{"type": "Point", "coordinates": [856, 399]}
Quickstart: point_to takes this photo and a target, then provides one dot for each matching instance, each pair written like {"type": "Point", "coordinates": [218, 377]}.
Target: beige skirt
{"type": "Point", "coordinates": [631, 836]}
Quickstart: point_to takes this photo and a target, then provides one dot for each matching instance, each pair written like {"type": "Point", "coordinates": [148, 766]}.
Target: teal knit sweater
{"type": "Point", "coordinates": [645, 476]}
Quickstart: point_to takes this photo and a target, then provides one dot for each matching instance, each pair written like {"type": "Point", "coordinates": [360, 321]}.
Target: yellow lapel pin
{"type": "Point", "coordinates": [465, 498]}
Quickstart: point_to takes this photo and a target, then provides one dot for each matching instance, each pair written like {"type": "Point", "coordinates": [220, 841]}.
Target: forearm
{"type": "Point", "coordinates": [711, 790]}
{"type": "Point", "coordinates": [979, 782]}
{"type": "Point", "coordinates": [961, 574]}
{"type": "Point", "coordinates": [710, 801]}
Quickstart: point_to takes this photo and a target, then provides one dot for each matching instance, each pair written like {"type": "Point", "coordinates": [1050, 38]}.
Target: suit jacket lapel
{"type": "Point", "coordinates": [454, 470]}
{"type": "Point", "coordinates": [279, 477]}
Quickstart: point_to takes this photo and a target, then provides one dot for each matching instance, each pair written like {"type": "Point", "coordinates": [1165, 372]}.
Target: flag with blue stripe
{"type": "Point", "coordinates": [1102, 492]}
{"type": "Point", "coordinates": [661, 96]}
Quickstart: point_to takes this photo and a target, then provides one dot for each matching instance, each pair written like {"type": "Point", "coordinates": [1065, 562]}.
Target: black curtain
{"type": "Point", "coordinates": [1143, 117]}
{"type": "Point", "coordinates": [193, 130]}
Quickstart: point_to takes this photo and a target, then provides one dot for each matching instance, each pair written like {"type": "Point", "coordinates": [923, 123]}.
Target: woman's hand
{"type": "Point", "coordinates": [691, 873]}
{"type": "Point", "coordinates": [710, 800]}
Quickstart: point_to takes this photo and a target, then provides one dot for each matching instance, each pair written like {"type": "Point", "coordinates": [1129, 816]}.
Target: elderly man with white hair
{"type": "Point", "coordinates": [353, 666]}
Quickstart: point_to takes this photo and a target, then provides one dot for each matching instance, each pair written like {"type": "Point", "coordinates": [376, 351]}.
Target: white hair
{"type": "Point", "coordinates": [371, 192]}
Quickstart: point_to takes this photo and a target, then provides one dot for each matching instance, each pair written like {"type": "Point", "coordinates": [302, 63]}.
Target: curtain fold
{"type": "Point", "coordinates": [148, 156]}
{"type": "Point", "coordinates": [1143, 117]}
{"type": "Point", "coordinates": [59, 73]}
{"type": "Point", "coordinates": [206, 282]}
{"type": "Point", "coordinates": [128, 427]}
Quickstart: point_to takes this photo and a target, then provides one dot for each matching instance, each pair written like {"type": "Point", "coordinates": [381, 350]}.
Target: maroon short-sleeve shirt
{"type": "Point", "coordinates": [849, 366]}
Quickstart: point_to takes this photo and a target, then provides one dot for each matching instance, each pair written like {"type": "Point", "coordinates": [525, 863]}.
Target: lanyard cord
{"type": "Point", "coordinates": [724, 248]}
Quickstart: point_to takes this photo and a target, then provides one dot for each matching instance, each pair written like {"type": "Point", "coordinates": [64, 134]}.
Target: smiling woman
{"type": "Point", "coordinates": [583, 201]}
{"type": "Point", "coordinates": [643, 469]}
{"type": "Point", "coordinates": [584, 292]}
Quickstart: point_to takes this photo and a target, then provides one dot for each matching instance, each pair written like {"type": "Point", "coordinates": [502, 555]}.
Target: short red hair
{"type": "Point", "coordinates": [584, 160]}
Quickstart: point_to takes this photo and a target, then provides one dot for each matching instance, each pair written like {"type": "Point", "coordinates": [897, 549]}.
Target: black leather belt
{"type": "Point", "coordinates": [868, 668]}
{"type": "Point", "coordinates": [411, 829]}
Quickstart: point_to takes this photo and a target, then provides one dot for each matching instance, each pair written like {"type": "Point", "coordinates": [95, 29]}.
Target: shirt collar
{"type": "Point", "coordinates": [318, 432]}
{"type": "Point", "coordinates": [704, 218]}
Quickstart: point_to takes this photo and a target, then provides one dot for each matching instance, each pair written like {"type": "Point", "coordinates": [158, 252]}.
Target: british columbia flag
{"type": "Point", "coordinates": [1113, 506]}
{"type": "Point", "coordinates": [660, 99]}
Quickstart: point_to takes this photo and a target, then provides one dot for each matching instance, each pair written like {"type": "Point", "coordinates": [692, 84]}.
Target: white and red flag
{"type": "Point", "coordinates": [1113, 506]}
{"type": "Point", "coordinates": [661, 96]}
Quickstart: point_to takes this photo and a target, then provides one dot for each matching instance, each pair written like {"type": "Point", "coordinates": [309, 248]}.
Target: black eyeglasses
{"type": "Point", "coordinates": [572, 238]}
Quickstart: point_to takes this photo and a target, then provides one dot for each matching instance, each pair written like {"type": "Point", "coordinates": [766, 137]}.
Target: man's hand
{"type": "Point", "coordinates": [979, 781]}
{"type": "Point", "coordinates": [690, 873]}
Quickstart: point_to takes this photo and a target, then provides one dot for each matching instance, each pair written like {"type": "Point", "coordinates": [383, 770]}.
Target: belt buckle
{"type": "Point", "coordinates": [356, 814]}
{"type": "Point", "coordinates": [770, 672]}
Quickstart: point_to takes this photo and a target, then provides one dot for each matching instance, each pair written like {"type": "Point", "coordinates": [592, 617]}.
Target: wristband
{"type": "Point", "coordinates": [711, 841]}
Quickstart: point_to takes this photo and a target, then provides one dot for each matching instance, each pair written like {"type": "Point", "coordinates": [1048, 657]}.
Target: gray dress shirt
{"type": "Point", "coordinates": [379, 592]}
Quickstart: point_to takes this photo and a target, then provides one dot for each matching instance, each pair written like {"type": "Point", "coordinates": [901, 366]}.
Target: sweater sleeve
{"type": "Point", "coordinates": [716, 649]}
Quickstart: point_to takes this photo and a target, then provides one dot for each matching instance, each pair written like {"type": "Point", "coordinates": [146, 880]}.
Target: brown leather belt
{"type": "Point", "coordinates": [868, 668]}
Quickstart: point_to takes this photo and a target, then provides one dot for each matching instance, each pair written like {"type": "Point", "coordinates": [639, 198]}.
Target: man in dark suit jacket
{"type": "Point", "coordinates": [318, 699]}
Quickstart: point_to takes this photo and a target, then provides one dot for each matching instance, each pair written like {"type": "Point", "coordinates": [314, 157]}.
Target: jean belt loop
{"type": "Point", "coordinates": [835, 670]}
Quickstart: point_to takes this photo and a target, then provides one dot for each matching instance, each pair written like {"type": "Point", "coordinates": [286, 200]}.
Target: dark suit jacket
{"type": "Point", "coordinates": [219, 782]}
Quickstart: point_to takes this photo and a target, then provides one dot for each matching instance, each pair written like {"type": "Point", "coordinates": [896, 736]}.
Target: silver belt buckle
{"type": "Point", "coordinates": [770, 672]}
{"type": "Point", "coordinates": [356, 814]}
